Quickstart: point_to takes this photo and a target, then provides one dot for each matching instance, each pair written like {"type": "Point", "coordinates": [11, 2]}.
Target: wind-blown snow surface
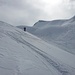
{"type": "Point", "coordinates": [59, 32]}
{"type": "Point", "coordinates": [24, 54]}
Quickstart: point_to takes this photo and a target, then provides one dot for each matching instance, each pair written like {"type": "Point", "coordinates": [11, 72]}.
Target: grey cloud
{"type": "Point", "coordinates": [72, 0]}
{"type": "Point", "coordinates": [69, 7]}
{"type": "Point", "coordinates": [27, 12]}
{"type": "Point", "coordinates": [13, 3]}
{"type": "Point", "coordinates": [14, 12]}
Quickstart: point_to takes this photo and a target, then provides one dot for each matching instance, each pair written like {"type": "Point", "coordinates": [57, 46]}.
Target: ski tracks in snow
{"type": "Point", "coordinates": [60, 68]}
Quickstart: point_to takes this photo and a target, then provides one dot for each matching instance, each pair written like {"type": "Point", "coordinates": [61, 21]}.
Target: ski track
{"type": "Point", "coordinates": [50, 61]}
{"type": "Point", "coordinates": [57, 66]}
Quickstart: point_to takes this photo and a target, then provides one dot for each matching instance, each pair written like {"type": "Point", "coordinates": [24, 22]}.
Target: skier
{"type": "Point", "coordinates": [24, 28]}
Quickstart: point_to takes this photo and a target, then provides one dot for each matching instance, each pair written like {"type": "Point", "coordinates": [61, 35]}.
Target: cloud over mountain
{"type": "Point", "coordinates": [29, 11]}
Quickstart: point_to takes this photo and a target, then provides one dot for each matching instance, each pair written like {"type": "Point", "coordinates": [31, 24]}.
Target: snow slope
{"type": "Point", "coordinates": [21, 53]}
{"type": "Point", "coordinates": [58, 32]}
{"type": "Point", "coordinates": [28, 28]}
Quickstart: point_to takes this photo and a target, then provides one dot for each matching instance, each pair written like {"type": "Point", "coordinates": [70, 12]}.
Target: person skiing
{"type": "Point", "coordinates": [24, 28]}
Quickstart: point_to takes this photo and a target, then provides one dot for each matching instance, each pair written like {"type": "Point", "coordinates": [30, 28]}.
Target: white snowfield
{"type": "Point", "coordinates": [22, 53]}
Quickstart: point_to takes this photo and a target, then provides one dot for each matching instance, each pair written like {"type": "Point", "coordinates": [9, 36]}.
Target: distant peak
{"type": "Point", "coordinates": [73, 17]}
{"type": "Point", "coordinates": [41, 21]}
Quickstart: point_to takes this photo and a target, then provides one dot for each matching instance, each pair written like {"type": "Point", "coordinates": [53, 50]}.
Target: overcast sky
{"type": "Point", "coordinates": [27, 12]}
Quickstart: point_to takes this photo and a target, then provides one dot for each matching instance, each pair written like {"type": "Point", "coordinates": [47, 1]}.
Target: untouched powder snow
{"type": "Point", "coordinates": [22, 53]}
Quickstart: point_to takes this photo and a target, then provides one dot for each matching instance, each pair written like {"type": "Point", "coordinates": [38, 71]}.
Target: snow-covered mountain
{"type": "Point", "coordinates": [59, 32]}
{"type": "Point", "coordinates": [22, 53]}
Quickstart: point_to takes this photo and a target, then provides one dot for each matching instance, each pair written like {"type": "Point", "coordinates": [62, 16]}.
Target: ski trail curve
{"type": "Point", "coordinates": [57, 66]}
